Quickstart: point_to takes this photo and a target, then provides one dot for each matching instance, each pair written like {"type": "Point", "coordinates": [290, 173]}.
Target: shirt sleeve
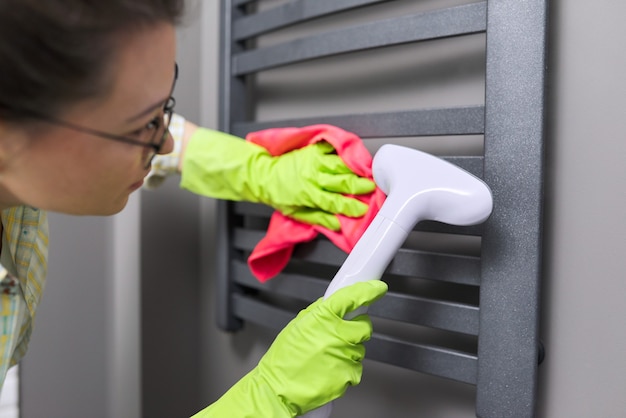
{"type": "Point", "coordinates": [166, 165]}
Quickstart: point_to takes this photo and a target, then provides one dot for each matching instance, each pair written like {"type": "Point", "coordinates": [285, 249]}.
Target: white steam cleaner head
{"type": "Point", "coordinates": [419, 186]}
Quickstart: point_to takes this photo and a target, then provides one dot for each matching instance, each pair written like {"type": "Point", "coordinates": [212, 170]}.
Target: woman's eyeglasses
{"type": "Point", "coordinates": [151, 136]}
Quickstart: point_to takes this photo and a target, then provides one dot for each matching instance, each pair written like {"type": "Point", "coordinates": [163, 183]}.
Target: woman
{"type": "Point", "coordinates": [85, 104]}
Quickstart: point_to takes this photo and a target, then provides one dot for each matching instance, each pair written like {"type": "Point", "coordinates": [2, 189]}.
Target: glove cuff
{"type": "Point", "coordinates": [250, 397]}
{"type": "Point", "coordinates": [223, 166]}
{"type": "Point", "coordinates": [166, 165]}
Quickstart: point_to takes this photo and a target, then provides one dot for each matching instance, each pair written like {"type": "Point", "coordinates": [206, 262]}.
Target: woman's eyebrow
{"type": "Point", "coordinates": [147, 111]}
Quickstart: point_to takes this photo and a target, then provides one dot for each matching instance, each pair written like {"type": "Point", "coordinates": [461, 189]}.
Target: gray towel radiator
{"type": "Point", "coordinates": [476, 310]}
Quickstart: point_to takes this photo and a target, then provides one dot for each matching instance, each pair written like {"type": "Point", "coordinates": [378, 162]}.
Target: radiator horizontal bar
{"type": "Point", "coordinates": [437, 361]}
{"type": "Point", "coordinates": [297, 286]}
{"type": "Point", "coordinates": [444, 267]}
{"type": "Point", "coordinates": [252, 209]}
{"type": "Point", "coordinates": [471, 164]}
{"type": "Point", "coordinates": [260, 313]}
{"type": "Point", "coordinates": [444, 23]}
{"type": "Point", "coordinates": [465, 120]}
{"type": "Point", "coordinates": [296, 11]}
{"type": "Point", "coordinates": [317, 251]}
{"type": "Point", "coordinates": [451, 268]}
{"type": "Point", "coordinates": [241, 2]}
{"type": "Point", "coordinates": [433, 313]}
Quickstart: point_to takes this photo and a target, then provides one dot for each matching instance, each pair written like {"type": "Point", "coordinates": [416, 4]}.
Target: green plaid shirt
{"type": "Point", "coordinates": [23, 265]}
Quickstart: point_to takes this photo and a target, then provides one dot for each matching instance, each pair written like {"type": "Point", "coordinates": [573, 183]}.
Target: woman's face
{"type": "Point", "coordinates": [62, 170]}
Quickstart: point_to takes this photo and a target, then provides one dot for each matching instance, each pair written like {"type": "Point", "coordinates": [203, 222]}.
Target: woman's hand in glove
{"type": "Point", "coordinates": [307, 184]}
{"type": "Point", "coordinates": [312, 361]}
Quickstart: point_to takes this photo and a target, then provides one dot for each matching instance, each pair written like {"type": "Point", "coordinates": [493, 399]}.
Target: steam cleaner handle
{"type": "Point", "coordinates": [367, 261]}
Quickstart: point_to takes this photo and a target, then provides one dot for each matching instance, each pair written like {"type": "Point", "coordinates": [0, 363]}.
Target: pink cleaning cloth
{"type": "Point", "coordinates": [272, 253]}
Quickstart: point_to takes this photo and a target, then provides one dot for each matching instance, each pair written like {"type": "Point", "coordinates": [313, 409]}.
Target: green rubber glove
{"type": "Point", "coordinates": [312, 361]}
{"type": "Point", "coordinates": [306, 184]}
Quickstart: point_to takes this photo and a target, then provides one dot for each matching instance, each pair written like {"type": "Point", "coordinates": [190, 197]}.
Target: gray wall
{"type": "Point", "coordinates": [171, 285]}
{"type": "Point", "coordinates": [71, 368]}
{"type": "Point", "coordinates": [83, 358]}
{"type": "Point", "coordinates": [585, 276]}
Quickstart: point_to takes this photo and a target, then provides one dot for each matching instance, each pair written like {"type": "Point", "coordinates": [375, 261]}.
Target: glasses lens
{"type": "Point", "coordinates": [160, 136]}
{"type": "Point", "coordinates": [167, 118]}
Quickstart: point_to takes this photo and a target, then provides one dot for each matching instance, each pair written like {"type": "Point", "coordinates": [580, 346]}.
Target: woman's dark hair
{"type": "Point", "coordinates": [56, 52]}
